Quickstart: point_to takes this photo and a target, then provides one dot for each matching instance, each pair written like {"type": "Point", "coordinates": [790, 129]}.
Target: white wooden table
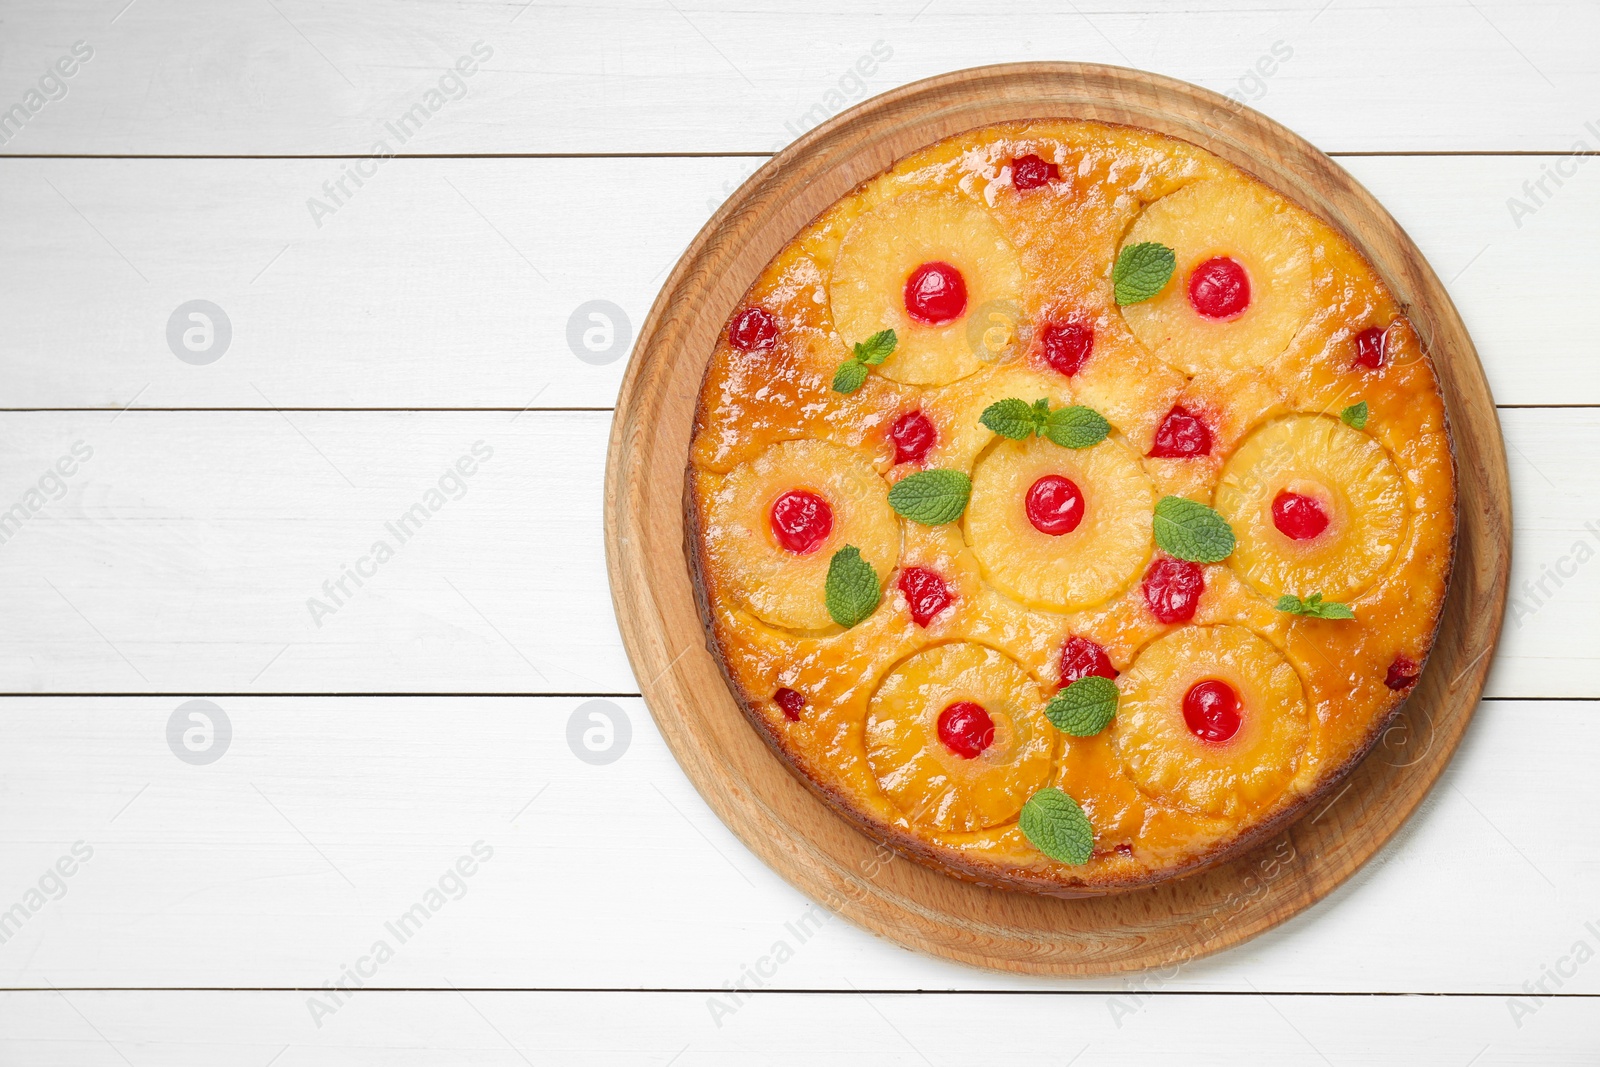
{"type": "Point", "coordinates": [180, 502]}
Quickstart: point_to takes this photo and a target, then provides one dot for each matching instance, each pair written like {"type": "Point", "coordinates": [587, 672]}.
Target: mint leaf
{"type": "Point", "coordinates": [931, 497]}
{"type": "Point", "coordinates": [1355, 416]}
{"type": "Point", "coordinates": [1315, 607]}
{"type": "Point", "coordinates": [852, 591]}
{"type": "Point", "coordinates": [851, 375]}
{"type": "Point", "coordinates": [1192, 531]}
{"type": "Point", "coordinates": [877, 348]}
{"type": "Point", "coordinates": [1055, 825]}
{"type": "Point", "coordinates": [1040, 414]}
{"type": "Point", "coordinates": [1085, 707]}
{"type": "Point", "coordinates": [1142, 271]}
{"type": "Point", "coordinates": [1076, 427]}
{"type": "Point", "coordinates": [1011, 418]}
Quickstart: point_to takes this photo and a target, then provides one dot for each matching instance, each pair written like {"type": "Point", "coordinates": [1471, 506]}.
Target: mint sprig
{"type": "Point", "coordinates": [1142, 271]}
{"type": "Point", "coordinates": [931, 498]}
{"type": "Point", "coordinates": [852, 373]}
{"type": "Point", "coordinates": [1085, 707]}
{"type": "Point", "coordinates": [1072, 426]}
{"type": "Point", "coordinates": [1191, 531]}
{"type": "Point", "coordinates": [852, 591]}
{"type": "Point", "coordinates": [1355, 416]}
{"type": "Point", "coordinates": [1315, 607]}
{"type": "Point", "coordinates": [1055, 825]}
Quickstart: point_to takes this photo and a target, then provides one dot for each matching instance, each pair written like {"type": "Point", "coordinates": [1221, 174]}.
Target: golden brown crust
{"type": "Point", "coordinates": [747, 404]}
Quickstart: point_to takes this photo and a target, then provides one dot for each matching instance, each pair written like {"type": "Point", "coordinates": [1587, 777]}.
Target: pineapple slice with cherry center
{"type": "Point", "coordinates": [1242, 287]}
{"type": "Point", "coordinates": [957, 738]}
{"type": "Point", "coordinates": [1317, 507]}
{"type": "Point", "coordinates": [1057, 528]}
{"type": "Point", "coordinates": [1212, 719]}
{"type": "Point", "coordinates": [775, 523]}
{"type": "Point", "coordinates": [924, 265]}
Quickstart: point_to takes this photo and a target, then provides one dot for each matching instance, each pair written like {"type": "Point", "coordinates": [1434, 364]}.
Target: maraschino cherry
{"type": "Point", "coordinates": [753, 330]}
{"type": "Point", "coordinates": [1181, 434]}
{"type": "Point", "coordinates": [791, 702]}
{"type": "Point", "coordinates": [1054, 505]}
{"type": "Point", "coordinates": [1067, 345]}
{"type": "Point", "coordinates": [1219, 288]}
{"type": "Point", "coordinates": [1082, 658]}
{"type": "Point", "coordinates": [1372, 349]}
{"type": "Point", "coordinates": [1402, 674]}
{"type": "Point", "coordinates": [1211, 711]}
{"type": "Point", "coordinates": [1172, 589]}
{"type": "Point", "coordinates": [913, 435]}
{"type": "Point", "coordinates": [966, 729]}
{"type": "Point", "coordinates": [801, 520]}
{"type": "Point", "coordinates": [936, 294]}
{"type": "Point", "coordinates": [1297, 516]}
{"type": "Point", "coordinates": [926, 594]}
{"type": "Point", "coordinates": [1031, 172]}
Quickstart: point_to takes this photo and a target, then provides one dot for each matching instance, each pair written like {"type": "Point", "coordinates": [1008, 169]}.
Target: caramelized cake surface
{"type": "Point", "coordinates": [1192, 334]}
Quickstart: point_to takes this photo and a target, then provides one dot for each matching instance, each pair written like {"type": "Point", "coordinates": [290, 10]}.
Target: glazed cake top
{"type": "Point", "coordinates": [1086, 321]}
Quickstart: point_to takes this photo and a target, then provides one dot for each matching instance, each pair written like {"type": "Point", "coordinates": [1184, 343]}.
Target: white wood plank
{"type": "Point", "coordinates": [241, 1029]}
{"type": "Point", "coordinates": [280, 863]}
{"type": "Point", "coordinates": [1536, 340]}
{"type": "Point", "coordinates": [451, 283]}
{"type": "Point", "coordinates": [182, 557]}
{"type": "Point", "coordinates": [445, 283]}
{"type": "Point", "coordinates": [187, 552]}
{"type": "Point", "coordinates": [635, 76]}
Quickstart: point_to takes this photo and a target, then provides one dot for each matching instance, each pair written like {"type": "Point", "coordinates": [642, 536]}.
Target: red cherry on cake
{"type": "Point", "coordinates": [966, 729]}
{"type": "Point", "coordinates": [1172, 589]}
{"type": "Point", "coordinates": [1067, 345]}
{"type": "Point", "coordinates": [1298, 517]}
{"type": "Point", "coordinates": [791, 702]}
{"type": "Point", "coordinates": [925, 592]}
{"type": "Point", "coordinates": [1082, 658]}
{"type": "Point", "coordinates": [1181, 434]}
{"type": "Point", "coordinates": [1054, 505]}
{"type": "Point", "coordinates": [1219, 288]}
{"type": "Point", "coordinates": [1371, 348]}
{"type": "Point", "coordinates": [913, 435]}
{"type": "Point", "coordinates": [1211, 711]}
{"type": "Point", "coordinates": [1402, 674]}
{"type": "Point", "coordinates": [936, 294]}
{"type": "Point", "coordinates": [801, 521]}
{"type": "Point", "coordinates": [1031, 172]}
{"type": "Point", "coordinates": [753, 330]}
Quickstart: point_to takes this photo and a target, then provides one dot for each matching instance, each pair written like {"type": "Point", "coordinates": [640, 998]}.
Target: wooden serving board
{"type": "Point", "coordinates": [778, 817]}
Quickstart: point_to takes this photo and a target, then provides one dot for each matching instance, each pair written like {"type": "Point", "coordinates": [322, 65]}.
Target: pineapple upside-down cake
{"type": "Point", "coordinates": [1069, 509]}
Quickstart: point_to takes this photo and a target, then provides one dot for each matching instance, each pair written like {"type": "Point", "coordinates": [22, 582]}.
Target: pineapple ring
{"type": "Point", "coordinates": [779, 586]}
{"type": "Point", "coordinates": [1089, 565]}
{"type": "Point", "coordinates": [933, 786]}
{"type": "Point", "coordinates": [1346, 472]}
{"type": "Point", "coordinates": [1173, 766]}
{"type": "Point", "coordinates": [1243, 221]}
{"type": "Point", "coordinates": [878, 255]}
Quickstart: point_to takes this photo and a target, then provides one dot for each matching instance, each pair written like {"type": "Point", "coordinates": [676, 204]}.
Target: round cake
{"type": "Point", "coordinates": [1069, 509]}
